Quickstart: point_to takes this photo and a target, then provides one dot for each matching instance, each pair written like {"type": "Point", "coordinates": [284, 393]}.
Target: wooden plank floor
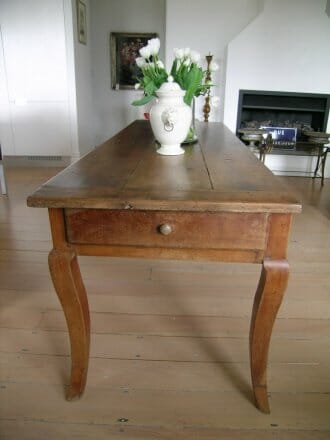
{"type": "Point", "coordinates": [169, 356]}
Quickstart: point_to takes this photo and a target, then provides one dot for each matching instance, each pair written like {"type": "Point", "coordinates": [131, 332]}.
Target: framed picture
{"type": "Point", "coordinates": [81, 22]}
{"type": "Point", "coordinates": [124, 49]}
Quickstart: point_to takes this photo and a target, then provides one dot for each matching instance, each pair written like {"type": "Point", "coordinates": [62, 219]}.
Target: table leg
{"type": "Point", "coordinates": [324, 158]}
{"type": "Point", "coordinates": [70, 289]}
{"type": "Point", "coordinates": [268, 298]}
{"type": "Point", "coordinates": [319, 154]}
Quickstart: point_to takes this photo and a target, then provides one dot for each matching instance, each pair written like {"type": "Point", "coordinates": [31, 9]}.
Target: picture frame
{"type": "Point", "coordinates": [124, 49]}
{"type": "Point", "coordinates": [81, 22]}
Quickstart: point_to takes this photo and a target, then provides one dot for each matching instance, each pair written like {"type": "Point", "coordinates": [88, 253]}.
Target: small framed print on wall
{"type": "Point", "coordinates": [124, 49]}
{"type": "Point", "coordinates": [81, 22]}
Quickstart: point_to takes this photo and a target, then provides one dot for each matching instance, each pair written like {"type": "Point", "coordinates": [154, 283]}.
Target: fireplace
{"type": "Point", "coordinates": [303, 111]}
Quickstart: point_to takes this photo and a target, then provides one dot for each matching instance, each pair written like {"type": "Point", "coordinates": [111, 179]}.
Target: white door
{"type": "Point", "coordinates": [33, 79]}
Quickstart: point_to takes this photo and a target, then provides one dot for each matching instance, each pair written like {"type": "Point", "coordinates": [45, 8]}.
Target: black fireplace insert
{"type": "Point", "coordinates": [303, 111]}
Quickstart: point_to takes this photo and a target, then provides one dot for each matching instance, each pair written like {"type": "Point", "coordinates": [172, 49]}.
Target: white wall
{"type": "Point", "coordinates": [6, 132]}
{"type": "Point", "coordinates": [207, 26]}
{"type": "Point", "coordinates": [113, 110]}
{"type": "Point", "coordinates": [83, 84]}
{"type": "Point", "coordinates": [285, 49]}
{"type": "Point", "coordinates": [35, 116]}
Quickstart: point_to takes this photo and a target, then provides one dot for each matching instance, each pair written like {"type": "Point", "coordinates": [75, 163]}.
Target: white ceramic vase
{"type": "Point", "coordinates": [170, 118]}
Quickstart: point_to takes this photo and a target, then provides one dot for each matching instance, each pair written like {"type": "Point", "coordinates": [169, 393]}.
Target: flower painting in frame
{"type": "Point", "coordinates": [124, 49]}
{"type": "Point", "coordinates": [81, 22]}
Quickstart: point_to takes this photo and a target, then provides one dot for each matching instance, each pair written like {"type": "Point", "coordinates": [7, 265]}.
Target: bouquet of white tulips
{"type": "Point", "coordinates": [185, 71]}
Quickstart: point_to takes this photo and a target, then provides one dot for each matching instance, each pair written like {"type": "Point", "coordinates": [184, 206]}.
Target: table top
{"type": "Point", "coordinates": [218, 173]}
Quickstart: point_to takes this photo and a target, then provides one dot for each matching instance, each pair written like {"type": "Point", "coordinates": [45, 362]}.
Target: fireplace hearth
{"type": "Point", "coordinates": [304, 111]}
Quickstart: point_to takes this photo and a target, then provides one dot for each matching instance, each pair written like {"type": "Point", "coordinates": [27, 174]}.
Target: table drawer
{"type": "Point", "coordinates": [166, 229]}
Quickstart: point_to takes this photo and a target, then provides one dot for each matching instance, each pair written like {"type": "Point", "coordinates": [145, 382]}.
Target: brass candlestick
{"type": "Point", "coordinates": [207, 107]}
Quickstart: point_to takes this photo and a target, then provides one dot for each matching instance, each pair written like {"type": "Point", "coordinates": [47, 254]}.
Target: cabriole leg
{"type": "Point", "coordinates": [70, 289]}
{"type": "Point", "coordinates": [268, 298]}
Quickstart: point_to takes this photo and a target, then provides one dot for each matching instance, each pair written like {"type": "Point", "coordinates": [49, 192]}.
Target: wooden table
{"type": "Point", "coordinates": [217, 202]}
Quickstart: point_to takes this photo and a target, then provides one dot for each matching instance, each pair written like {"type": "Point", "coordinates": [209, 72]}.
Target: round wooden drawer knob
{"type": "Point", "coordinates": [165, 229]}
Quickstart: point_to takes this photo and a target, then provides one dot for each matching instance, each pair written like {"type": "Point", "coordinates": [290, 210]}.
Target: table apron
{"type": "Point", "coordinates": [167, 232]}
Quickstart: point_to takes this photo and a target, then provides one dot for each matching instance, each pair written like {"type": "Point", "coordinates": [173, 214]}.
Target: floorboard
{"type": "Point", "coordinates": [169, 354]}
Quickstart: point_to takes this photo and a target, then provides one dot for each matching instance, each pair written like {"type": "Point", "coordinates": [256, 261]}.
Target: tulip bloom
{"type": "Point", "coordinates": [215, 101]}
{"type": "Point", "coordinates": [145, 52]}
{"type": "Point", "coordinates": [140, 62]}
{"type": "Point", "coordinates": [154, 45]}
{"type": "Point", "coordinates": [213, 66]}
{"type": "Point", "coordinates": [195, 56]}
{"type": "Point", "coordinates": [178, 53]}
